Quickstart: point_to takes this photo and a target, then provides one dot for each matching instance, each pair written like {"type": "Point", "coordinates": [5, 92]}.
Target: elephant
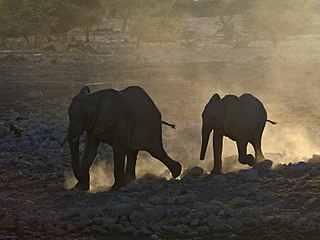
{"type": "Point", "coordinates": [127, 120]}
{"type": "Point", "coordinates": [242, 119]}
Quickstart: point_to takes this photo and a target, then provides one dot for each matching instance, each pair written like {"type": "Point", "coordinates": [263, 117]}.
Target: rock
{"type": "Point", "coordinates": [54, 145]}
{"type": "Point", "coordinates": [28, 205]}
{"type": "Point", "coordinates": [35, 94]}
{"type": "Point", "coordinates": [215, 223]}
{"type": "Point", "coordinates": [49, 217]}
{"type": "Point", "coordinates": [123, 209]}
{"type": "Point", "coordinates": [181, 230]}
{"type": "Point", "coordinates": [25, 143]}
{"type": "Point", "coordinates": [195, 222]}
{"type": "Point", "coordinates": [86, 230]}
{"type": "Point", "coordinates": [171, 200]}
{"type": "Point", "coordinates": [8, 222]}
{"type": "Point", "coordinates": [233, 236]}
{"type": "Point", "coordinates": [239, 201]}
{"type": "Point", "coordinates": [149, 214]}
{"type": "Point", "coordinates": [315, 158]}
{"type": "Point", "coordinates": [227, 212]}
{"type": "Point", "coordinates": [145, 231]}
{"type": "Point", "coordinates": [118, 228]}
{"type": "Point", "coordinates": [8, 237]}
{"type": "Point", "coordinates": [3, 212]}
{"type": "Point", "coordinates": [193, 172]}
{"type": "Point", "coordinates": [104, 221]}
{"type": "Point", "coordinates": [130, 229]}
{"type": "Point", "coordinates": [44, 144]}
{"type": "Point", "coordinates": [311, 215]}
{"type": "Point", "coordinates": [155, 237]}
{"type": "Point", "coordinates": [29, 219]}
{"type": "Point", "coordinates": [11, 86]}
{"type": "Point", "coordinates": [25, 104]}
{"type": "Point", "coordinates": [203, 230]}
{"type": "Point", "coordinates": [235, 223]}
{"type": "Point", "coordinates": [14, 116]}
{"type": "Point", "coordinates": [292, 216]}
{"type": "Point", "coordinates": [4, 131]}
{"type": "Point", "coordinates": [238, 213]}
{"type": "Point", "coordinates": [31, 132]}
{"type": "Point", "coordinates": [131, 187]}
{"type": "Point", "coordinates": [125, 199]}
{"type": "Point", "coordinates": [155, 200]}
{"type": "Point", "coordinates": [263, 166]}
{"type": "Point", "coordinates": [155, 226]}
{"type": "Point", "coordinates": [187, 198]}
{"type": "Point", "coordinates": [249, 174]}
{"type": "Point", "coordinates": [249, 221]}
{"type": "Point", "coordinates": [312, 225]}
{"type": "Point", "coordinates": [300, 167]}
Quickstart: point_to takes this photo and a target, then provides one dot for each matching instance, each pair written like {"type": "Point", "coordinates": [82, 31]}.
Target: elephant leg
{"type": "Point", "coordinates": [217, 152]}
{"type": "Point", "coordinates": [174, 166]}
{"type": "Point", "coordinates": [130, 174]}
{"type": "Point", "coordinates": [119, 176]}
{"type": "Point", "coordinates": [244, 158]}
{"type": "Point", "coordinates": [90, 152]}
{"type": "Point", "coordinates": [258, 151]}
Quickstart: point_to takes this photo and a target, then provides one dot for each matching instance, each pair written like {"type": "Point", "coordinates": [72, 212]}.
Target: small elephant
{"type": "Point", "coordinates": [242, 119]}
{"type": "Point", "coordinates": [128, 120]}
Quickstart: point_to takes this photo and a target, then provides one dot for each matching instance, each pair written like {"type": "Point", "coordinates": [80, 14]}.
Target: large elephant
{"type": "Point", "coordinates": [242, 119]}
{"type": "Point", "coordinates": [127, 120]}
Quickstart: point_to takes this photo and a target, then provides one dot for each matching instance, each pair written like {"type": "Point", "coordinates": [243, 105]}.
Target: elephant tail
{"type": "Point", "coordinates": [169, 124]}
{"type": "Point", "coordinates": [272, 122]}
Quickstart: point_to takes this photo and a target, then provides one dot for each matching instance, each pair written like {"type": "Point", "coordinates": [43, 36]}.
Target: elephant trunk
{"type": "Point", "coordinates": [204, 144]}
{"type": "Point", "coordinates": [74, 149]}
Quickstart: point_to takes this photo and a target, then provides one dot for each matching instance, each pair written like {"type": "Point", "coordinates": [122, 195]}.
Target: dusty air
{"type": "Point", "coordinates": [173, 119]}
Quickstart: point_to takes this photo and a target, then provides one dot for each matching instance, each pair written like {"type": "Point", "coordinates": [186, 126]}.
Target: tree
{"type": "Point", "coordinates": [154, 21]}
{"type": "Point", "coordinates": [277, 18]}
{"type": "Point", "coordinates": [124, 9]}
{"type": "Point", "coordinates": [88, 14]}
{"type": "Point", "coordinates": [40, 20]}
{"type": "Point", "coordinates": [25, 18]}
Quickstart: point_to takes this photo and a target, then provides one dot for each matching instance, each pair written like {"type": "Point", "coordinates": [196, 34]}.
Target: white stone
{"type": "Point", "coordinates": [35, 94]}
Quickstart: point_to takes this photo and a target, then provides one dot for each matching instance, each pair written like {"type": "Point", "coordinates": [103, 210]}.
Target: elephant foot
{"type": "Point", "coordinates": [249, 159]}
{"type": "Point", "coordinates": [216, 171]}
{"type": "Point", "coordinates": [129, 179]}
{"type": "Point", "coordinates": [117, 186]}
{"type": "Point", "coordinates": [176, 170]}
{"type": "Point", "coordinates": [82, 186]}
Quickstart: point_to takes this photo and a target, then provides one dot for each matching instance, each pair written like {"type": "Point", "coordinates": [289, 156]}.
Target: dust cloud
{"type": "Point", "coordinates": [295, 138]}
{"type": "Point", "coordinates": [181, 80]}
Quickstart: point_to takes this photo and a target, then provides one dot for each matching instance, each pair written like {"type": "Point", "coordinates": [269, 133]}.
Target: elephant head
{"type": "Point", "coordinates": [219, 115]}
{"type": "Point", "coordinates": [94, 113]}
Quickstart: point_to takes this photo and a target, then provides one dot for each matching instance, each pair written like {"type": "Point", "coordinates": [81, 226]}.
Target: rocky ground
{"type": "Point", "coordinates": [274, 200]}
{"type": "Point", "coordinates": [258, 203]}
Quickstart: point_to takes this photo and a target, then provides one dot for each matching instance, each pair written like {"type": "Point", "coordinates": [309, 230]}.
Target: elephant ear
{"type": "Point", "coordinates": [112, 108]}
{"type": "Point", "coordinates": [233, 111]}
{"type": "Point", "coordinates": [85, 89]}
{"type": "Point", "coordinates": [214, 98]}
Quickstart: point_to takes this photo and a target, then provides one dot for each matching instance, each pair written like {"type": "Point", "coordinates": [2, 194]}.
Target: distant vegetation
{"type": "Point", "coordinates": [40, 22]}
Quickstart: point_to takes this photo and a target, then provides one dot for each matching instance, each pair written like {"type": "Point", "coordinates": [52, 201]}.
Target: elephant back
{"type": "Point", "coordinates": [255, 112]}
{"type": "Point", "coordinates": [141, 105]}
